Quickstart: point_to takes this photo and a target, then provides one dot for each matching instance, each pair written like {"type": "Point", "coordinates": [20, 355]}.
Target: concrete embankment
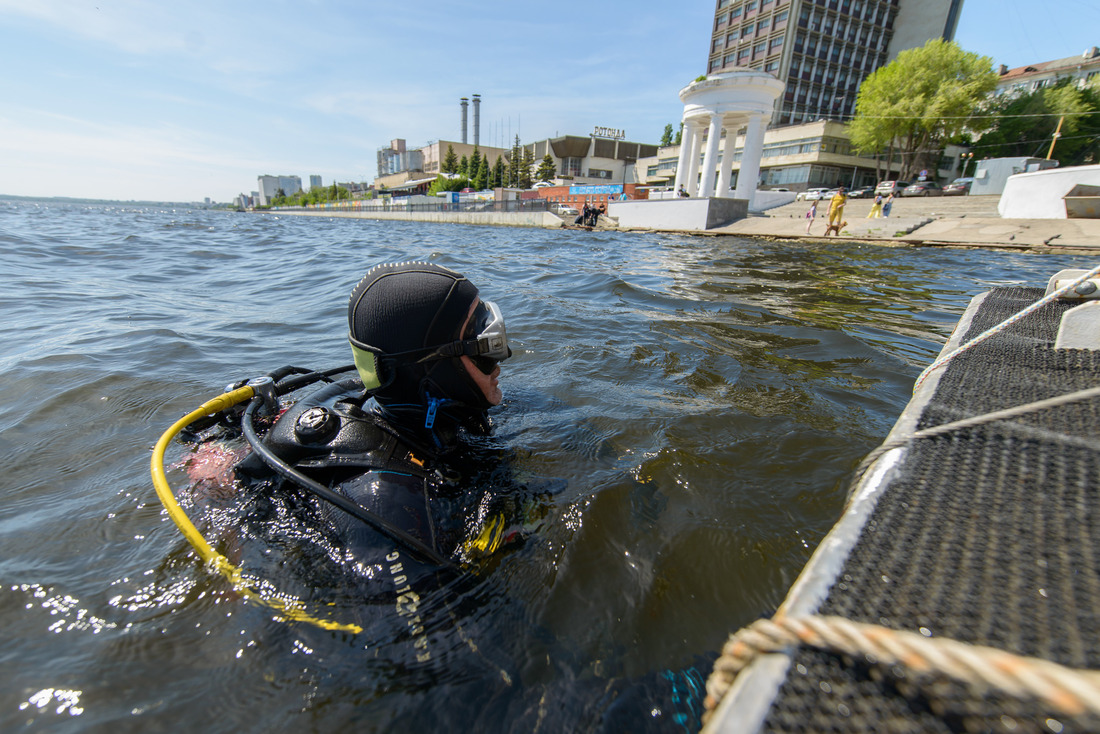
{"type": "Point", "coordinates": [965, 221]}
{"type": "Point", "coordinates": [487, 218]}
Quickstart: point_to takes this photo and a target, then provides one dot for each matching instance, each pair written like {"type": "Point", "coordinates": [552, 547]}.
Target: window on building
{"type": "Point", "coordinates": [723, 3]}
{"type": "Point", "coordinates": [780, 16]}
{"type": "Point", "coordinates": [717, 45]}
{"type": "Point", "coordinates": [763, 24]}
{"type": "Point", "coordinates": [598, 173]}
{"type": "Point", "coordinates": [759, 48]}
{"type": "Point", "coordinates": [720, 20]}
{"type": "Point", "coordinates": [747, 30]}
{"type": "Point", "coordinates": [735, 13]}
{"type": "Point", "coordinates": [776, 43]}
{"type": "Point", "coordinates": [771, 67]}
{"type": "Point", "coordinates": [571, 166]}
{"type": "Point", "coordinates": [730, 58]}
{"type": "Point", "coordinates": [743, 53]}
{"type": "Point", "coordinates": [750, 6]}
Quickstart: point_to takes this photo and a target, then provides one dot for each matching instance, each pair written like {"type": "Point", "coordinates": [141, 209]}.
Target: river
{"type": "Point", "coordinates": [693, 406]}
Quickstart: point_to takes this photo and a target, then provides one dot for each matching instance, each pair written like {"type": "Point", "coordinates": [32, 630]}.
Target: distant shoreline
{"type": "Point", "coordinates": [130, 202]}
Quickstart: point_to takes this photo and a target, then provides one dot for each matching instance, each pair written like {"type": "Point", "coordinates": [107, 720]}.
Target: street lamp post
{"type": "Point", "coordinates": [966, 158]}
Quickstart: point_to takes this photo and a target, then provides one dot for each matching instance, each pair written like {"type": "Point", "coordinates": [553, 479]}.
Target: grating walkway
{"type": "Point", "coordinates": [988, 536]}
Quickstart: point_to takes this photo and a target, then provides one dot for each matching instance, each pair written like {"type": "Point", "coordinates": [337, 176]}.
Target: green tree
{"type": "Point", "coordinates": [925, 98]}
{"type": "Point", "coordinates": [464, 167]}
{"type": "Point", "coordinates": [475, 163]}
{"type": "Point", "coordinates": [666, 136]}
{"type": "Point", "coordinates": [546, 170]}
{"type": "Point", "coordinates": [481, 180]}
{"type": "Point", "coordinates": [450, 161]}
{"type": "Point", "coordinates": [680, 135]}
{"type": "Point", "coordinates": [1024, 125]}
{"type": "Point", "coordinates": [497, 178]}
{"type": "Point", "coordinates": [515, 161]}
{"type": "Point", "coordinates": [526, 164]}
{"type": "Point", "coordinates": [442, 183]}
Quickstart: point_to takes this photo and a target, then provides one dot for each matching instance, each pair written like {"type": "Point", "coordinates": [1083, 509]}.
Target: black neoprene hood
{"type": "Point", "coordinates": [401, 307]}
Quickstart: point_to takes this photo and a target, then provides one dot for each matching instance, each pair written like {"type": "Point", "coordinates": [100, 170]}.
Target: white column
{"type": "Point", "coordinates": [706, 188]}
{"type": "Point", "coordinates": [725, 175]}
{"type": "Point", "coordinates": [682, 162]}
{"type": "Point", "coordinates": [750, 159]}
{"type": "Point", "coordinates": [693, 161]}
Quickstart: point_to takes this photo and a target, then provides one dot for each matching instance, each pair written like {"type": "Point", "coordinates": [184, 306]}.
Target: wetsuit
{"type": "Point", "coordinates": [345, 440]}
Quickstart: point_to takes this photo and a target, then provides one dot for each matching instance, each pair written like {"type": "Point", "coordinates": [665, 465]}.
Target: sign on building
{"type": "Point", "coordinates": [609, 132]}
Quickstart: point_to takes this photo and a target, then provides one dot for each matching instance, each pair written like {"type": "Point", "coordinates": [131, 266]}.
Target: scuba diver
{"type": "Point", "coordinates": [415, 507]}
{"type": "Point", "coordinates": [385, 446]}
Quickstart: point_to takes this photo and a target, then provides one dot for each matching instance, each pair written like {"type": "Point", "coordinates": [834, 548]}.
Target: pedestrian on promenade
{"type": "Point", "coordinates": [876, 208]}
{"type": "Point", "coordinates": [810, 215]}
{"type": "Point", "coordinates": [886, 205]}
{"type": "Point", "coordinates": [681, 192]}
{"type": "Point", "coordinates": [836, 206]}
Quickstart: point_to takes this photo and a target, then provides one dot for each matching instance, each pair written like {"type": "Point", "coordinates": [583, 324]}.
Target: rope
{"type": "Point", "coordinates": [979, 420]}
{"type": "Point", "coordinates": [1004, 325]}
{"type": "Point", "coordinates": [1067, 690]}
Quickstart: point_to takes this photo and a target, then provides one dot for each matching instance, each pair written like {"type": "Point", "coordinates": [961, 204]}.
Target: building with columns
{"type": "Point", "coordinates": [822, 49]}
{"type": "Point", "coordinates": [715, 108]}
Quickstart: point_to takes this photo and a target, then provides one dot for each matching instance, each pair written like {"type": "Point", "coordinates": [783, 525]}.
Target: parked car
{"type": "Point", "coordinates": [542, 184]}
{"type": "Point", "coordinates": [891, 187]}
{"type": "Point", "coordinates": [863, 192]}
{"type": "Point", "coordinates": [810, 194]}
{"type": "Point", "coordinates": [958, 187]}
{"type": "Point", "coordinates": [565, 209]}
{"type": "Point", "coordinates": [923, 188]}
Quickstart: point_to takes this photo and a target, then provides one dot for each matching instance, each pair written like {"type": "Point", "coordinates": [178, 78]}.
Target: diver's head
{"type": "Point", "coordinates": [420, 333]}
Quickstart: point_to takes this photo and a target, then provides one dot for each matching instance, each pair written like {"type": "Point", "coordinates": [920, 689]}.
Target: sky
{"type": "Point", "coordinates": [144, 100]}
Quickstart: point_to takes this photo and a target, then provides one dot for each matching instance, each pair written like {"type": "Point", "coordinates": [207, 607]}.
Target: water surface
{"type": "Point", "coordinates": [694, 407]}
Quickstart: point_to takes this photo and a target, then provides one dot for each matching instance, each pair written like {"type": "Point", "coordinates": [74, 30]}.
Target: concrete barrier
{"type": "Point", "coordinates": [680, 214]}
{"type": "Point", "coordinates": [499, 219]}
{"type": "Point", "coordinates": [1039, 195]}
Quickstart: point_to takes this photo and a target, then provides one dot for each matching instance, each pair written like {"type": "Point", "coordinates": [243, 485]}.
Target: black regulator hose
{"type": "Point", "coordinates": [352, 508]}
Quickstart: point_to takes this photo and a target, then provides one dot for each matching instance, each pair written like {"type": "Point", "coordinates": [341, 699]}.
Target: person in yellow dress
{"type": "Point", "coordinates": [876, 208]}
{"type": "Point", "coordinates": [836, 208]}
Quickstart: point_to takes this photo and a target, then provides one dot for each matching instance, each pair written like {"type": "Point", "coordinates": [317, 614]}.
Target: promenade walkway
{"type": "Point", "coordinates": [963, 221]}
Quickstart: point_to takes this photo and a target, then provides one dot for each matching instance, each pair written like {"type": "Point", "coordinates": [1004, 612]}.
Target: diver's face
{"type": "Point", "coordinates": [487, 383]}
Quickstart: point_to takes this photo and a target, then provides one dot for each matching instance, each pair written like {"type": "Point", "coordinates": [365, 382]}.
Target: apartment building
{"type": "Point", "coordinates": [1081, 70]}
{"type": "Point", "coordinates": [269, 187]}
{"type": "Point", "coordinates": [822, 49]}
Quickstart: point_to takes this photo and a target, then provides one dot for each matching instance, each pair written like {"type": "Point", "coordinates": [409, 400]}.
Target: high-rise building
{"type": "Point", "coordinates": [822, 49]}
{"type": "Point", "coordinates": [270, 186]}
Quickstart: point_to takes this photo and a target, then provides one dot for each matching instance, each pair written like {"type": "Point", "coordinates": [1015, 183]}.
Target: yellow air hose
{"type": "Point", "coordinates": [289, 609]}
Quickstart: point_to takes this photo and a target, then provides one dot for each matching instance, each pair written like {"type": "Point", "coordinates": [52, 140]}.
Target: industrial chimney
{"type": "Point", "coordinates": [477, 119]}
{"type": "Point", "coordinates": [464, 103]}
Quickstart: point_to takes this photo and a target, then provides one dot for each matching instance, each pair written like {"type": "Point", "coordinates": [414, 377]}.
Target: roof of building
{"type": "Point", "coordinates": [1090, 57]}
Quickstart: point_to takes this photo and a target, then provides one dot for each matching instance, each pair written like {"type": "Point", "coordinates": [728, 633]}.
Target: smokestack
{"type": "Point", "coordinates": [477, 119]}
{"type": "Point", "coordinates": [464, 103]}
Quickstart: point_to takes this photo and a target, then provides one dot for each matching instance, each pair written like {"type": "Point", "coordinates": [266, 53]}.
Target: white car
{"type": "Point", "coordinates": [810, 194]}
{"type": "Point", "coordinates": [542, 184]}
{"type": "Point", "coordinates": [566, 210]}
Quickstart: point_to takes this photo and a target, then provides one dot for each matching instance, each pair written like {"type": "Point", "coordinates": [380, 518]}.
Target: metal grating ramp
{"type": "Point", "coordinates": [988, 535]}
